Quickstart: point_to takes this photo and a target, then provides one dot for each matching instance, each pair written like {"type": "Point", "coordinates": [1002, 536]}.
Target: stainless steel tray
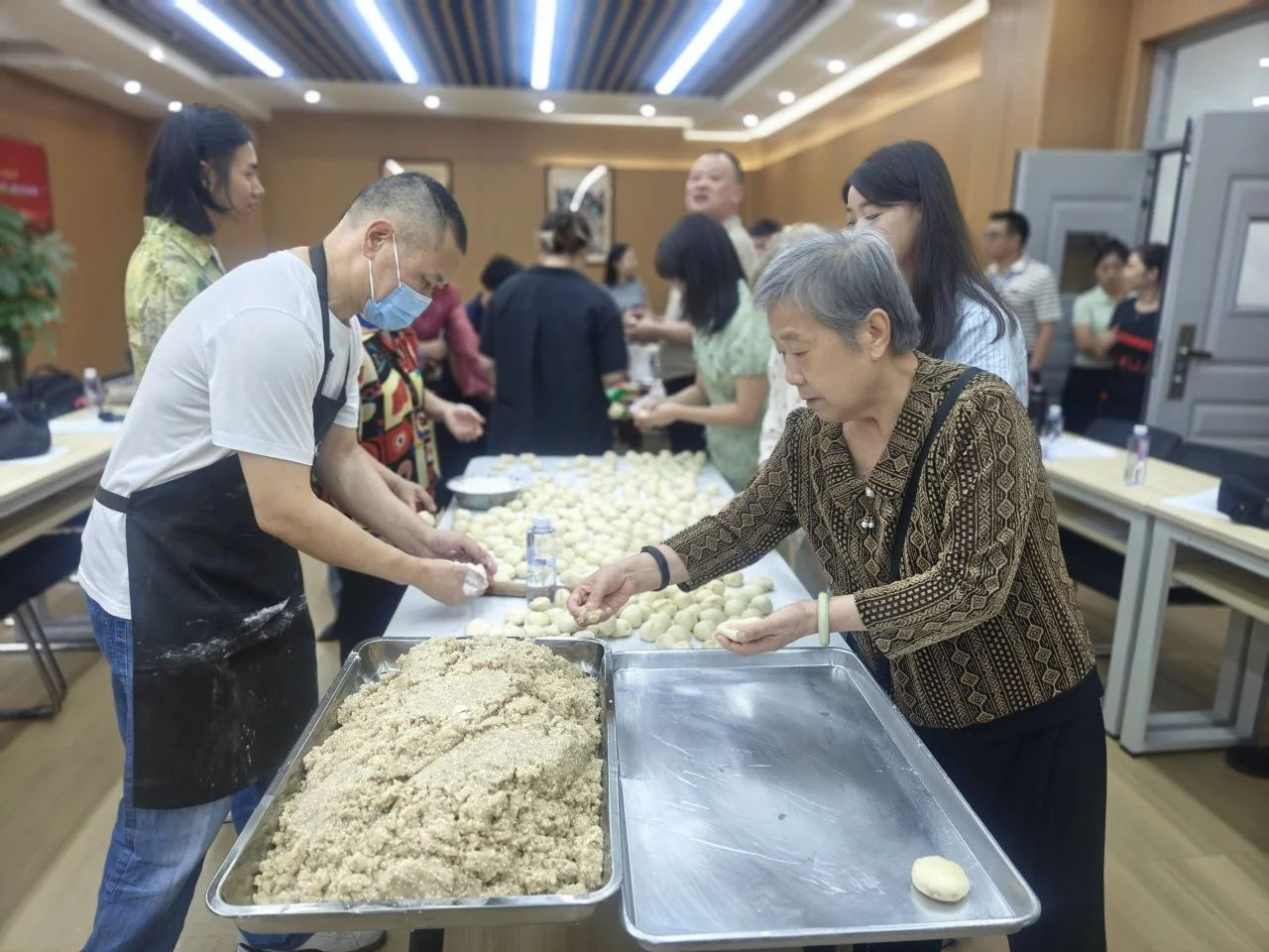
{"type": "Point", "coordinates": [231, 891]}
{"type": "Point", "coordinates": [780, 800]}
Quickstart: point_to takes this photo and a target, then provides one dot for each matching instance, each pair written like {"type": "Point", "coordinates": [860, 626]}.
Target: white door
{"type": "Point", "coordinates": [1211, 364]}
{"type": "Point", "coordinates": [1075, 199]}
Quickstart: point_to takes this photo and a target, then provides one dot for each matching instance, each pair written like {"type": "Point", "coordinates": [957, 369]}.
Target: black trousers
{"type": "Point", "coordinates": [684, 437]}
{"type": "Point", "coordinates": [366, 606]}
{"type": "Point", "coordinates": [1081, 397]}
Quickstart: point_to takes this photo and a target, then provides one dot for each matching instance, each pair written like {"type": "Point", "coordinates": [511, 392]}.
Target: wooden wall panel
{"type": "Point", "coordinates": [96, 159]}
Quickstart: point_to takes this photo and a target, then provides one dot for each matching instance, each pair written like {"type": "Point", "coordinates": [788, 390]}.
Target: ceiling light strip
{"type": "Point", "coordinates": [723, 14]}
{"type": "Point", "coordinates": [387, 40]}
{"type": "Point", "coordinates": [230, 37]}
{"type": "Point", "coordinates": [543, 44]}
{"type": "Point", "coordinates": [937, 32]}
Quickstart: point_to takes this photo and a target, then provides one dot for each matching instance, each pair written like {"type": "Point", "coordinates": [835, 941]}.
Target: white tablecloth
{"type": "Point", "coordinates": [419, 616]}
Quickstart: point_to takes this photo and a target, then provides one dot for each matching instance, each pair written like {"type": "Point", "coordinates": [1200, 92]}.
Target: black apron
{"type": "Point", "coordinates": [224, 667]}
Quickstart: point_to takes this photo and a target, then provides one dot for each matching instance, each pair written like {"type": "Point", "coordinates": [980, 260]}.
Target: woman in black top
{"type": "Point", "coordinates": [557, 342]}
{"type": "Point", "coordinates": [1129, 343]}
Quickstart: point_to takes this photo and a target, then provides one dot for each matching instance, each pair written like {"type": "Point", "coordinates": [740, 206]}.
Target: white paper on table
{"type": "Point", "coordinates": [1076, 447]}
{"type": "Point", "coordinates": [53, 453]}
{"type": "Point", "coordinates": [1203, 503]}
{"type": "Point", "coordinates": [84, 426]}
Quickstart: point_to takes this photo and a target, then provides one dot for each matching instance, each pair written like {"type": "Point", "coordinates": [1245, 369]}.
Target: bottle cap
{"type": "Point", "coordinates": [1140, 429]}
{"type": "Point", "coordinates": [1055, 410]}
{"type": "Point", "coordinates": [541, 523]}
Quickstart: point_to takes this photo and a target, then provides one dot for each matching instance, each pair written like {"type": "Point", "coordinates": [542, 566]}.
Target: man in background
{"type": "Point", "coordinates": [762, 231]}
{"type": "Point", "coordinates": [1028, 286]}
{"type": "Point", "coordinates": [715, 187]}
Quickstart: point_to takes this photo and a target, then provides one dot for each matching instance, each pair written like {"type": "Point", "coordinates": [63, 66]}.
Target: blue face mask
{"type": "Point", "coordinates": [400, 308]}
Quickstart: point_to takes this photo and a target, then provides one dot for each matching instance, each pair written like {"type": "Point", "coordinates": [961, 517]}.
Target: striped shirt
{"type": "Point", "coordinates": [1030, 290]}
{"type": "Point", "coordinates": [975, 346]}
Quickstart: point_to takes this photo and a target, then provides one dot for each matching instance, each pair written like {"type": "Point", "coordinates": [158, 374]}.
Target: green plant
{"type": "Point", "coordinates": [31, 269]}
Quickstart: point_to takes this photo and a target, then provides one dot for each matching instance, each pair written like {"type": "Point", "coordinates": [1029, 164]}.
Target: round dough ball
{"type": "Point", "coordinates": [477, 626]}
{"type": "Point", "coordinates": [505, 573]}
{"type": "Point", "coordinates": [708, 599]}
{"type": "Point", "coordinates": [607, 628]}
{"type": "Point", "coordinates": [650, 633]}
{"type": "Point", "coordinates": [750, 613]}
{"type": "Point", "coordinates": [632, 615]}
{"type": "Point", "coordinates": [712, 614]}
{"type": "Point", "coordinates": [734, 579]}
{"type": "Point", "coordinates": [586, 633]}
{"type": "Point", "coordinates": [496, 631]}
{"type": "Point", "coordinates": [940, 878]}
{"type": "Point", "coordinates": [711, 642]}
{"type": "Point", "coordinates": [513, 631]}
{"type": "Point", "coordinates": [659, 620]}
{"type": "Point", "coordinates": [561, 598]}
{"type": "Point", "coordinates": [567, 625]}
{"type": "Point", "coordinates": [681, 598]}
{"type": "Point", "coordinates": [687, 618]}
{"type": "Point", "coordinates": [516, 616]}
{"type": "Point", "coordinates": [764, 583]}
{"type": "Point", "coordinates": [734, 607]}
{"type": "Point", "coordinates": [704, 630]}
{"type": "Point", "coordinates": [541, 619]}
{"type": "Point", "coordinates": [750, 591]}
{"type": "Point", "coordinates": [762, 603]}
{"type": "Point", "coordinates": [522, 569]}
{"type": "Point", "coordinates": [551, 631]}
{"type": "Point", "coordinates": [533, 631]}
{"type": "Point", "coordinates": [681, 646]}
{"type": "Point", "coordinates": [676, 633]}
{"type": "Point", "coordinates": [541, 604]}
{"type": "Point", "coordinates": [665, 640]}
{"type": "Point", "coordinates": [718, 586]}
{"type": "Point", "coordinates": [624, 628]}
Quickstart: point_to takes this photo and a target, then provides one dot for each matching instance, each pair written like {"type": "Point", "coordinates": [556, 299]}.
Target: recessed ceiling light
{"type": "Point", "coordinates": [157, 54]}
{"type": "Point", "coordinates": [1260, 102]}
{"type": "Point", "coordinates": [432, 102]}
{"type": "Point", "coordinates": [387, 40]}
{"type": "Point", "coordinates": [132, 87]}
{"type": "Point", "coordinates": [230, 37]}
{"type": "Point", "coordinates": [647, 110]}
{"type": "Point", "coordinates": [543, 43]}
{"type": "Point", "coordinates": [786, 98]}
{"type": "Point", "coordinates": [906, 21]}
{"type": "Point", "coordinates": [312, 97]}
{"type": "Point", "coordinates": [836, 66]}
{"type": "Point", "coordinates": [547, 106]}
{"type": "Point", "coordinates": [723, 14]}
{"type": "Point", "coordinates": [1264, 62]}
{"type": "Point", "coordinates": [175, 106]}
{"type": "Point", "coordinates": [750, 120]}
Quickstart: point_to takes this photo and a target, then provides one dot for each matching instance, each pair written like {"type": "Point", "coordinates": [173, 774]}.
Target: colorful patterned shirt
{"type": "Point", "coordinates": [394, 429]}
{"type": "Point", "coordinates": [168, 269]}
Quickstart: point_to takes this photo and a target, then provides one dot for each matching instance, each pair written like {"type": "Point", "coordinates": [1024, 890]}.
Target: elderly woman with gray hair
{"type": "Point", "coordinates": [920, 487]}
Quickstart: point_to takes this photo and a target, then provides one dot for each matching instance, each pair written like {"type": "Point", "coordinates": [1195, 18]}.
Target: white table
{"type": "Point", "coordinates": [419, 616]}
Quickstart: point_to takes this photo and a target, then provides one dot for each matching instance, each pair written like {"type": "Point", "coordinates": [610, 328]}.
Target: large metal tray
{"type": "Point", "coordinates": [780, 800]}
{"type": "Point", "coordinates": [231, 891]}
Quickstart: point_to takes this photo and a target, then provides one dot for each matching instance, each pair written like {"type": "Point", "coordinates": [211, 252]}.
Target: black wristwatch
{"type": "Point", "coordinates": [659, 557]}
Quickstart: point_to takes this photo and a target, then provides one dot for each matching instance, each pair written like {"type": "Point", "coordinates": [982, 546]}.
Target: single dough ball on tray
{"type": "Point", "coordinates": [940, 878]}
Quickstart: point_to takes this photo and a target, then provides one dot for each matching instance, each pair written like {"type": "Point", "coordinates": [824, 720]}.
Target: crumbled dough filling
{"type": "Point", "coordinates": [473, 770]}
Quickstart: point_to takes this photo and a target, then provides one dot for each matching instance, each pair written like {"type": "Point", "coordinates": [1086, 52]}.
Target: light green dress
{"type": "Point", "coordinates": [741, 349]}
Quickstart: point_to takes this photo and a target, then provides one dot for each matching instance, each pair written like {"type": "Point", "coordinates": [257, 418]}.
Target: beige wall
{"type": "Point", "coordinates": [96, 159]}
{"type": "Point", "coordinates": [1036, 73]}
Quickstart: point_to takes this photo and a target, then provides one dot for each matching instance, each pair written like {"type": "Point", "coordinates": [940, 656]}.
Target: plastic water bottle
{"type": "Point", "coordinates": [541, 559]}
{"type": "Point", "coordinates": [1052, 431]}
{"type": "Point", "coordinates": [1138, 453]}
{"type": "Point", "coordinates": [94, 395]}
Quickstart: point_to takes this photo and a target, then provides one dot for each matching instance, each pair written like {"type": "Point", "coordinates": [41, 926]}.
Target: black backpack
{"type": "Point", "coordinates": [60, 392]}
{"type": "Point", "coordinates": [23, 429]}
{"type": "Point", "coordinates": [1244, 497]}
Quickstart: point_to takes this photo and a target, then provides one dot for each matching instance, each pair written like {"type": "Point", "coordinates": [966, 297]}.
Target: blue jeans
{"type": "Point", "coordinates": [155, 856]}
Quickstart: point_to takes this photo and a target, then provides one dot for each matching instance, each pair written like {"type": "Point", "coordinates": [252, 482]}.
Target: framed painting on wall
{"type": "Point", "coordinates": [589, 191]}
{"type": "Point", "coordinates": [439, 169]}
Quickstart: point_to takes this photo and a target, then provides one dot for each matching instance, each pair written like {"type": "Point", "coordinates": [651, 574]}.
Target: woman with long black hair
{"type": "Point", "coordinates": [203, 170]}
{"type": "Point", "coordinates": [731, 346]}
{"type": "Point", "coordinates": [905, 193]}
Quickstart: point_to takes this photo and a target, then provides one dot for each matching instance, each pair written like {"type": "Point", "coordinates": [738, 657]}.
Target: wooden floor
{"type": "Point", "coordinates": [1187, 864]}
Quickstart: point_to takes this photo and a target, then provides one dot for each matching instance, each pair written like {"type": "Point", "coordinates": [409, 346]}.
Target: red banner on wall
{"type": "Point", "coordinates": [24, 181]}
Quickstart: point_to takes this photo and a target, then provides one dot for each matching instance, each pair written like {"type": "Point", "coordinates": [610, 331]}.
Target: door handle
{"type": "Point", "coordinates": [1185, 352]}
